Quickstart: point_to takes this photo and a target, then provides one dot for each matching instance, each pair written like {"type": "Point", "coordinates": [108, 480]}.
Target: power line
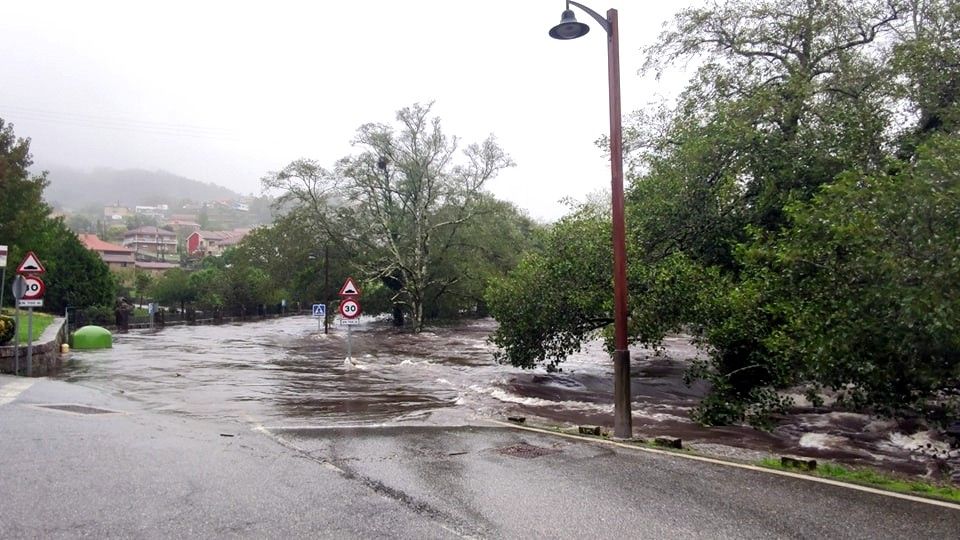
{"type": "Point", "coordinates": [121, 124]}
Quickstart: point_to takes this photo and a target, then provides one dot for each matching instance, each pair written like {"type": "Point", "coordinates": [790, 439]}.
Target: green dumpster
{"type": "Point", "coordinates": [92, 337]}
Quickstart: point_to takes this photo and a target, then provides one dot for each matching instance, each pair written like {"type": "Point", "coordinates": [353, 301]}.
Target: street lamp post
{"type": "Point", "coordinates": [570, 28]}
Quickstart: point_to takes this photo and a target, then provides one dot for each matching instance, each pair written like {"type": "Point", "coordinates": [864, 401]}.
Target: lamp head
{"type": "Point", "coordinates": [568, 28]}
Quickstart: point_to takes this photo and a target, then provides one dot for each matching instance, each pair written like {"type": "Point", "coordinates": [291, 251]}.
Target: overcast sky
{"type": "Point", "coordinates": [225, 91]}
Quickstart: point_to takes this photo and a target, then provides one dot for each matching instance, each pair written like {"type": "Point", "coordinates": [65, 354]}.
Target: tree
{"type": "Point", "coordinates": [926, 62]}
{"type": "Point", "coordinates": [804, 127]}
{"type": "Point", "coordinates": [403, 199]}
{"type": "Point", "coordinates": [142, 282]}
{"type": "Point", "coordinates": [863, 286]}
{"type": "Point", "coordinates": [174, 287]}
{"type": "Point", "coordinates": [555, 299]}
{"type": "Point", "coordinates": [21, 194]}
{"type": "Point", "coordinates": [75, 276]}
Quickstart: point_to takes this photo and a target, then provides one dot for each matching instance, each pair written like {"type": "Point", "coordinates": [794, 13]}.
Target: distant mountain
{"type": "Point", "coordinates": [73, 189]}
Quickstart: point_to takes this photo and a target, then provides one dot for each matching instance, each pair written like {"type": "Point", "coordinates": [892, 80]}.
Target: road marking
{"type": "Point", "coordinates": [378, 487]}
{"type": "Point", "coordinates": [746, 466]}
{"type": "Point", "coordinates": [11, 391]}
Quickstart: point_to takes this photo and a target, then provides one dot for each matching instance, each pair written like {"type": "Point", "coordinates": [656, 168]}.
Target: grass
{"type": "Point", "coordinates": [868, 477]}
{"type": "Point", "coordinates": [40, 322]}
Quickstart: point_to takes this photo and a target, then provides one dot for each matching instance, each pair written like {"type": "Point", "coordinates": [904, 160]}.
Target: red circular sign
{"type": "Point", "coordinates": [35, 288]}
{"type": "Point", "coordinates": [350, 308]}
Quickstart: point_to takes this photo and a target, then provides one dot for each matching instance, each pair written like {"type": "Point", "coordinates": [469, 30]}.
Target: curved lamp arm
{"type": "Point", "coordinates": [599, 18]}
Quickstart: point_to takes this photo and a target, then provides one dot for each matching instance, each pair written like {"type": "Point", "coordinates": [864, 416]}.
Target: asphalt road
{"type": "Point", "coordinates": [136, 473]}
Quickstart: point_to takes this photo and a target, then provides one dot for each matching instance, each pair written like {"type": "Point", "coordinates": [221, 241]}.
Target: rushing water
{"type": "Point", "coordinates": [284, 372]}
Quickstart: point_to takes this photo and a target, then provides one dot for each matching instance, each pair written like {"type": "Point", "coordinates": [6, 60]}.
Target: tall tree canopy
{"type": "Point", "coordinates": [796, 206]}
{"type": "Point", "coordinates": [75, 275]}
{"type": "Point", "coordinates": [402, 207]}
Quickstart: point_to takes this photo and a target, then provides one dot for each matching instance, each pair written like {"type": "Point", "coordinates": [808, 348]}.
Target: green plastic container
{"type": "Point", "coordinates": [92, 337]}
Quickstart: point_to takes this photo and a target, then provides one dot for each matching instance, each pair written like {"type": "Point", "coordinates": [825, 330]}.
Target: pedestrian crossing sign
{"type": "Point", "coordinates": [319, 310]}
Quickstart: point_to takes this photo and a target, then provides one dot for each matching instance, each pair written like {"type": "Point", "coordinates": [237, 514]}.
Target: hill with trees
{"type": "Point", "coordinates": [73, 189]}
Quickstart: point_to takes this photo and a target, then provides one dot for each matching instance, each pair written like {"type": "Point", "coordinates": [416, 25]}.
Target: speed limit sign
{"type": "Point", "coordinates": [35, 288]}
{"type": "Point", "coordinates": [350, 308]}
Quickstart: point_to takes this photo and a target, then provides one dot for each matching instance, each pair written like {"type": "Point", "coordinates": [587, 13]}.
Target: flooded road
{"type": "Point", "coordinates": [282, 372]}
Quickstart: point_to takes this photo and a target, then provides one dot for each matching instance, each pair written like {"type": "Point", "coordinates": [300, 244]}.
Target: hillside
{"type": "Point", "coordinates": [73, 189]}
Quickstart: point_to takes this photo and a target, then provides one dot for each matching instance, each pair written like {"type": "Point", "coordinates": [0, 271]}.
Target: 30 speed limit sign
{"type": "Point", "coordinates": [350, 308]}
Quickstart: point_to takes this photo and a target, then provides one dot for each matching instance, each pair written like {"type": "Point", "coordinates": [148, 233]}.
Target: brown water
{"type": "Point", "coordinates": [283, 372]}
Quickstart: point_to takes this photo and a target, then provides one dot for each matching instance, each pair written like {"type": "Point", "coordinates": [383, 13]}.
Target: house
{"type": "Point", "coordinates": [116, 212]}
{"type": "Point", "coordinates": [203, 243]}
{"type": "Point", "coordinates": [155, 268]}
{"type": "Point", "coordinates": [182, 226]}
{"type": "Point", "coordinates": [115, 256]}
{"type": "Point", "coordinates": [151, 242]}
{"type": "Point", "coordinates": [152, 211]}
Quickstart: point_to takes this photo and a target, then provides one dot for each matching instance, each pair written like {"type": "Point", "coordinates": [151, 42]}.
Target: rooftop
{"type": "Point", "coordinates": [94, 243]}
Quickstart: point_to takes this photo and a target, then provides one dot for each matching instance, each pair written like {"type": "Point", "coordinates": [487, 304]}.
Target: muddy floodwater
{"type": "Point", "coordinates": [282, 372]}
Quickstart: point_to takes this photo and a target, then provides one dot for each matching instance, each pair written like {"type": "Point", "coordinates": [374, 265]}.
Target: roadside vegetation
{"type": "Point", "coordinates": [7, 317]}
{"type": "Point", "coordinates": [797, 209]}
{"type": "Point", "coordinates": [407, 214]}
{"type": "Point", "coordinates": [74, 275]}
{"type": "Point", "coordinates": [872, 478]}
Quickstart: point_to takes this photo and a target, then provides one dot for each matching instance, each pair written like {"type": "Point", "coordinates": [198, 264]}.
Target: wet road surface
{"type": "Point", "coordinates": [115, 468]}
{"type": "Point", "coordinates": [283, 372]}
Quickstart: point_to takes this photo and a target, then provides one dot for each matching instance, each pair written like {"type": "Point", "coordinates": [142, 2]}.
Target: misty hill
{"type": "Point", "coordinates": [74, 189]}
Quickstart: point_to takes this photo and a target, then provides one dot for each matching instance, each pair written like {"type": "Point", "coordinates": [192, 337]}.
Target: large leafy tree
{"type": "Point", "coordinates": [779, 206]}
{"type": "Point", "coordinates": [75, 276]}
{"type": "Point", "coordinates": [400, 202]}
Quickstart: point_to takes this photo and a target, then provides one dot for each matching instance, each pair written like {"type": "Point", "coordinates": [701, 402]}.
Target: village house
{"type": "Point", "coordinates": [151, 243]}
{"type": "Point", "coordinates": [115, 256]}
{"type": "Point", "coordinates": [213, 243]}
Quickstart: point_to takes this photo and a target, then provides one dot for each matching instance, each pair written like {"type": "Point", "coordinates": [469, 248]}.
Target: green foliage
{"type": "Point", "coordinates": [874, 478]}
{"type": "Point", "coordinates": [400, 209]}
{"type": "Point", "coordinates": [556, 299]}
{"type": "Point", "coordinates": [75, 275]}
{"type": "Point", "coordinates": [8, 327]}
{"type": "Point", "coordinates": [796, 210]}
{"type": "Point", "coordinates": [867, 283]}
{"type": "Point", "coordinates": [40, 323]}
{"type": "Point", "coordinates": [174, 288]}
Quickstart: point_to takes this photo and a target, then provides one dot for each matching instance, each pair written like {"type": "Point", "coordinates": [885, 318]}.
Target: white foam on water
{"type": "Point", "coordinates": [822, 441]}
{"type": "Point", "coordinates": [350, 363]}
{"type": "Point", "coordinates": [921, 440]}
{"type": "Point", "coordinates": [507, 397]}
{"type": "Point", "coordinates": [409, 362]}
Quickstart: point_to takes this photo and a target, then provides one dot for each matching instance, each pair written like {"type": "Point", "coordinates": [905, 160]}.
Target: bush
{"type": "Point", "coordinates": [8, 327]}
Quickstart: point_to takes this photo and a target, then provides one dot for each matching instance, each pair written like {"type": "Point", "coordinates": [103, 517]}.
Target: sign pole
{"type": "Point", "coordinates": [349, 341]}
{"type": "Point", "coordinates": [16, 339]}
{"type": "Point", "coordinates": [30, 342]}
{"type": "Point", "coordinates": [3, 280]}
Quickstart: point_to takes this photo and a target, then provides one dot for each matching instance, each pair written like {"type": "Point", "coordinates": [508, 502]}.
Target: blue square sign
{"type": "Point", "coordinates": [319, 310]}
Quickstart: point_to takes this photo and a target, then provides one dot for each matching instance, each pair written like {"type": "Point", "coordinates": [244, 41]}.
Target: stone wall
{"type": "Point", "coordinates": [46, 357]}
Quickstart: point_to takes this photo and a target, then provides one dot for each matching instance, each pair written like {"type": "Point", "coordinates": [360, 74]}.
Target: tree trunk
{"type": "Point", "coordinates": [418, 315]}
{"type": "Point", "coordinates": [398, 315]}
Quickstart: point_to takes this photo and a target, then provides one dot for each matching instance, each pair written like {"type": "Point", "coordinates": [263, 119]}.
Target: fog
{"type": "Point", "coordinates": [224, 92]}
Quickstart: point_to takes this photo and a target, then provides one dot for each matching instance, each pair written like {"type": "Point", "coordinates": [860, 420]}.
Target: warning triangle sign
{"type": "Point", "coordinates": [349, 288]}
{"type": "Point", "coordinates": [30, 265]}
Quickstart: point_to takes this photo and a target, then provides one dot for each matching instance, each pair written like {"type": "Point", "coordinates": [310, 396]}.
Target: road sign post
{"type": "Point", "coordinates": [28, 291]}
{"type": "Point", "coordinates": [3, 265]}
{"type": "Point", "coordinates": [320, 312]}
{"type": "Point", "coordinates": [19, 289]}
{"type": "Point", "coordinates": [30, 342]}
{"type": "Point", "coordinates": [349, 310]}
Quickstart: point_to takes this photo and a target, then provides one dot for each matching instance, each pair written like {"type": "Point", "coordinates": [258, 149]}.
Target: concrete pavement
{"type": "Point", "coordinates": [127, 471]}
